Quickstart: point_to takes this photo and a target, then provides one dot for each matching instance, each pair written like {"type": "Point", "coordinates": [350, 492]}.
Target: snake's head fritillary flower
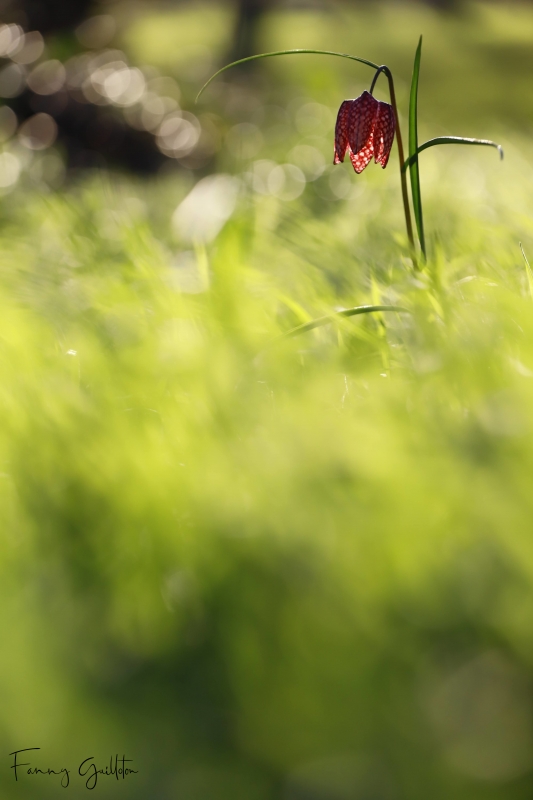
{"type": "Point", "coordinates": [365, 128]}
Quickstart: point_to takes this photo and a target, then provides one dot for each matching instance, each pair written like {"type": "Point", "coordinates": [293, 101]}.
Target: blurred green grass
{"type": "Point", "coordinates": [302, 571]}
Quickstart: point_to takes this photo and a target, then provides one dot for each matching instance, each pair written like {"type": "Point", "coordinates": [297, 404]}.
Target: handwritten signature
{"type": "Point", "coordinates": [88, 769]}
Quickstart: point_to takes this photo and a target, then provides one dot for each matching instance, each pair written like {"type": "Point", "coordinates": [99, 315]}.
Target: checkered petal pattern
{"type": "Point", "coordinates": [384, 130]}
{"type": "Point", "coordinates": [364, 128]}
{"type": "Point", "coordinates": [341, 131]}
{"type": "Point", "coordinates": [363, 157]}
{"type": "Point", "coordinates": [361, 121]}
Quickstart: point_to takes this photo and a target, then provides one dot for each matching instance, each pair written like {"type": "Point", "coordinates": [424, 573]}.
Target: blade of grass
{"type": "Point", "coordinates": [285, 53]}
{"type": "Point", "coordinates": [450, 140]}
{"type": "Point", "coordinates": [529, 272]}
{"type": "Point", "coordinates": [298, 310]}
{"type": "Point", "coordinates": [329, 318]}
{"type": "Point", "coordinates": [413, 149]}
{"type": "Point", "coordinates": [403, 182]}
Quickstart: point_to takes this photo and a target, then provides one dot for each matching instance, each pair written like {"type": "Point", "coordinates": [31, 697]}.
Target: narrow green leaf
{"type": "Point", "coordinates": [348, 312]}
{"type": "Point", "coordinates": [286, 53]}
{"type": "Point", "coordinates": [451, 140]}
{"type": "Point", "coordinates": [413, 149]}
{"type": "Point", "coordinates": [529, 271]}
{"type": "Point", "coordinates": [298, 310]}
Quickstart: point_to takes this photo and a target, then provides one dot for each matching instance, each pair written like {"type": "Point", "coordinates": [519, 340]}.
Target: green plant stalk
{"type": "Point", "coordinates": [385, 70]}
{"type": "Point", "coordinates": [413, 151]}
{"type": "Point", "coordinates": [403, 180]}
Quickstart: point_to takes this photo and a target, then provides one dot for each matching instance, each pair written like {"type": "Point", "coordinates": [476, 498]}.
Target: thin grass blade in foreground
{"type": "Point", "coordinates": [451, 140]}
{"type": "Point", "coordinates": [329, 318]}
{"type": "Point", "coordinates": [413, 150]}
{"type": "Point", "coordinates": [529, 271]}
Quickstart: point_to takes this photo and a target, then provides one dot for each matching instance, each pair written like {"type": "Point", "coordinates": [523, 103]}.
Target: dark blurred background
{"type": "Point", "coordinates": [77, 77]}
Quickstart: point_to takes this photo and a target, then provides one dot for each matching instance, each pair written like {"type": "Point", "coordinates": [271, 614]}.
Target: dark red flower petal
{"type": "Point", "coordinates": [361, 119]}
{"type": "Point", "coordinates": [341, 131]}
{"type": "Point", "coordinates": [384, 130]}
{"type": "Point", "coordinates": [364, 128]}
{"type": "Point", "coordinates": [363, 157]}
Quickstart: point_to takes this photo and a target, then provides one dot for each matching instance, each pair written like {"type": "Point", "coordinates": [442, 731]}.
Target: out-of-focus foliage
{"type": "Point", "coordinates": [299, 570]}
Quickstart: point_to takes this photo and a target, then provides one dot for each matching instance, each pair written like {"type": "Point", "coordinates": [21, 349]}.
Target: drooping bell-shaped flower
{"type": "Point", "coordinates": [365, 128]}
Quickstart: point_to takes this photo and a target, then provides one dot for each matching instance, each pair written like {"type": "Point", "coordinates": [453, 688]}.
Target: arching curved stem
{"type": "Point", "coordinates": [375, 78]}
{"type": "Point", "coordinates": [286, 53]}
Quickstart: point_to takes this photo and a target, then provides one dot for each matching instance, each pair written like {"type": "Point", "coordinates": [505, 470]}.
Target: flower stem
{"type": "Point", "coordinates": [403, 179]}
{"type": "Point", "coordinates": [375, 78]}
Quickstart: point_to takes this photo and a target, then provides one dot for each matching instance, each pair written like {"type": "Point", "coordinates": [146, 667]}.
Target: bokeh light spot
{"type": "Point", "coordinates": [9, 170]}
{"type": "Point", "coordinates": [8, 123]}
{"type": "Point", "coordinates": [309, 160]}
{"type": "Point", "coordinates": [178, 134]}
{"type": "Point", "coordinates": [96, 31]}
{"type": "Point", "coordinates": [313, 118]}
{"type": "Point", "coordinates": [244, 140]}
{"type": "Point", "coordinates": [38, 132]}
{"type": "Point", "coordinates": [286, 181]}
{"type": "Point", "coordinates": [12, 80]}
{"type": "Point", "coordinates": [11, 40]}
{"type": "Point", "coordinates": [201, 215]}
{"type": "Point", "coordinates": [31, 50]}
{"type": "Point", "coordinates": [47, 78]}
